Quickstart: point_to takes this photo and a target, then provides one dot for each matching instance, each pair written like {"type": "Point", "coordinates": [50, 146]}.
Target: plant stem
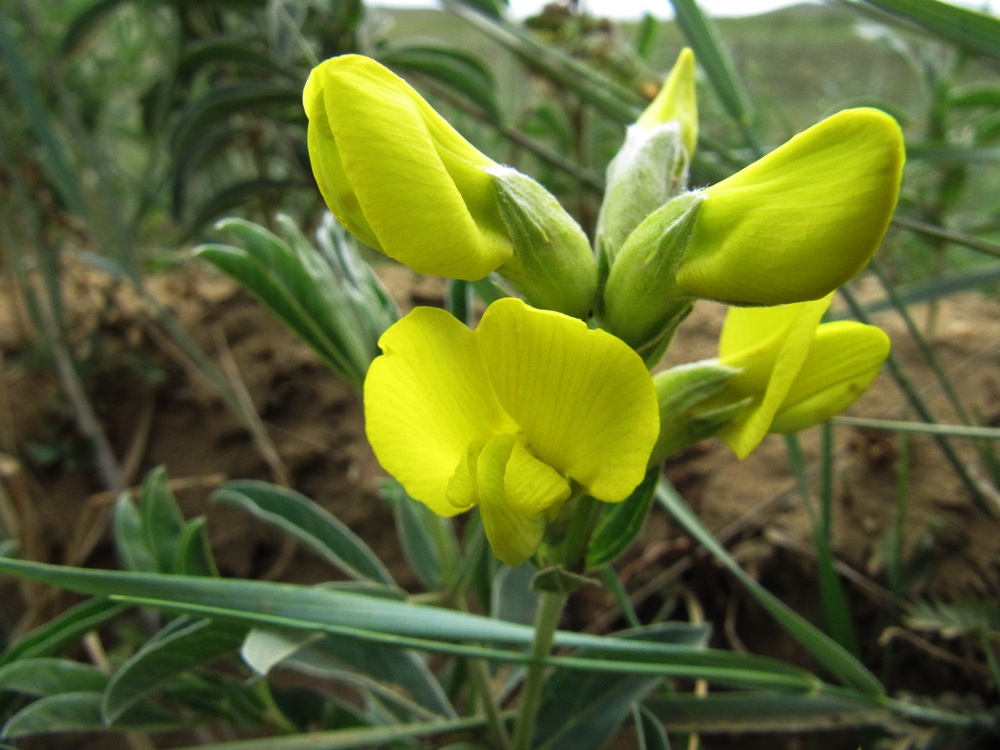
{"type": "Point", "coordinates": [481, 683]}
{"type": "Point", "coordinates": [550, 607]}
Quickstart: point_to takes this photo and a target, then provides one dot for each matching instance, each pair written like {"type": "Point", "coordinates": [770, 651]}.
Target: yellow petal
{"type": "Point", "coordinates": [801, 221]}
{"type": "Point", "coordinates": [335, 186]}
{"type": "Point", "coordinates": [844, 359]}
{"type": "Point", "coordinates": [532, 486]}
{"type": "Point", "coordinates": [427, 399]}
{"type": "Point", "coordinates": [584, 401]}
{"type": "Point", "coordinates": [513, 536]}
{"type": "Point", "coordinates": [770, 345]}
{"type": "Point", "coordinates": [394, 171]}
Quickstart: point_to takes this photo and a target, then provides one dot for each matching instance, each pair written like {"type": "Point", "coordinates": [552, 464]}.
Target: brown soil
{"type": "Point", "coordinates": [158, 410]}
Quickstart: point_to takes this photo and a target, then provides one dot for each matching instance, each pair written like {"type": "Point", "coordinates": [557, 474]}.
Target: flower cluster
{"type": "Point", "coordinates": [550, 398]}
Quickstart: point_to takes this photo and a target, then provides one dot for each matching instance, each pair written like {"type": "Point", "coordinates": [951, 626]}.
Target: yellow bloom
{"type": "Point", "coordinates": [515, 416]}
{"type": "Point", "coordinates": [796, 372]}
{"type": "Point", "coordinates": [791, 227]}
{"type": "Point", "coordinates": [803, 220]}
{"type": "Point", "coordinates": [398, 176]}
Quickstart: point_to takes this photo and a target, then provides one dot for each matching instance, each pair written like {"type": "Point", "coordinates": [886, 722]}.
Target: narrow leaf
{"type": "Point", "coordinates": [460, 71]}
{"type": "Point", "coordinates": [350, 739]}
{"type": "Point", "coordinates": [700, 34]}
{"type": "Point", "coordinates": [309, 523]}
{"type": "Point", "coordinates": [761, 712]}
{"type": "Point", "coordinates": [416, 526]}
{"type": "Point", "coordinates": [651, 734]}
{"type": "Point", "coordinates": [162, 659]}
{"type": "Point", "coordinates": [826, 651]}
{"type": "Point", "coordinates": [194, 552]}
{"type": "Point", "coordinates": [74, 712]}
{"type": "Point", "coordinates": [162, 521]}
{"type": "Point", "coordinates": [583, 712]}
{"type": "Point", "coordinates": [620, 523]}
{"type": "Point", "coordinates": [63, 630]}
{"type": "Point", "coordinates": [130, 543]}
{"type": "Point", "coordinates": [409, 625]}
{"type": "Point", "coordinates": [972, 30]}
{"type": "Point", "coordinates": [48, 676]}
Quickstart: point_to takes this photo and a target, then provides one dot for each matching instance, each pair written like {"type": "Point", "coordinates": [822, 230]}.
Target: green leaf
{"type": "Point", "coordinates": [396, 673]}
{"type": "Point", "coordinates": [349, 739]}
{"type": "Point", "coordinates": [162, 521]}
{"type": "Point", "coordinates": [417, 527]}
{"type": "Point", "coordinates": [61, 631]}
{"type": "Point", "coordinates": [74, 712]}
{"type": "Point", "coordinates": [948, 153]}
{"type": "Point", "coordinates": [825, 650]}
{"type": "Point", "coordinates": [763, 712]}
{"type": "Point", "coordinates": [463, 72]}
{"type": "Point", "coordinates": [269, 284]}
{"type": "Point", "coordinates": [222, 102]}
{"type": "Point", "coordinates": [583, 712]}
{"type": "Point", "coordinates": [620, 523]}
{"type": "Point", "coordinates": [513, 598]}
{"type": "Point", "coordinates": [976, 95]}
{"type": "Point", "coordinates": [84, 24]}
{"type": "Point", "coordinates": [399, 678]}
{"type": "Point", "coordinates": [130, 542]}
{"type": "Point", "coordinates": [648, 729]}
{"type": "Point", "coordinates": [972, 30]}
{"type": "Point", "coordinates": [164, 658]}
{"type": "Point", "coordinates": [48, 676]}
{"type": "Point", "coordinates": [194, 552]}
{"type": "Point", "coordinates": [230, 53]}
{"type": "Point", "coordinates": [408, 625]}
{"type": "Point", "coordinates": [309, 523]}
{"type": "Point", "coordinates": [236, 195]}
{"type": "Point", "coordinates": [602, 92]}
{"type": "Point", "coordinates": [336, 309]}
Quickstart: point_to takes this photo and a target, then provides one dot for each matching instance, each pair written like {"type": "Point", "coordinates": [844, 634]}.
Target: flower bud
{"type": "Point", "coordinates": [683, 393]}
{"type": "Point", "coordinates": [641, 304]}
{"type": "Point", "coordinates": [651, 166]}
{"type": "Point", "coordinates": [553, 265]}
{"type": "Point", "coordinates": [398, 176]}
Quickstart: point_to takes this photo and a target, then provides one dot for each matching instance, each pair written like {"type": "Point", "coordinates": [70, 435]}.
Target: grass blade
{"type": "Point", "coordinates": [837, 660]}
{"type": "Point", "coordinates": [972, 30]}
{"type": "Point", "coordinates": [708, 50]}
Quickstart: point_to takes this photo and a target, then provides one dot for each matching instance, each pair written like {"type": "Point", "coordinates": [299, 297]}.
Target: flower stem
{"type": "Point", "coordinates": [550, 607]}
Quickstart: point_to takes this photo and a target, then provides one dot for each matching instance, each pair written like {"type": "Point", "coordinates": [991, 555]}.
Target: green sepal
{"type": "Point", "coordinates": [642, 305]}
{"type": "Point", "coordinates": [684, 394]}
{"type": "Point", "coordinates": [553, 265]}
{"type": "Point", "coordinates": [648, 171]}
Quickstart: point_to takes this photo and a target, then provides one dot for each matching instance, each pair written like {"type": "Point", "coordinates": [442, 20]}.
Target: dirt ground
{"type": "Point", "coordinates": [158, 410]}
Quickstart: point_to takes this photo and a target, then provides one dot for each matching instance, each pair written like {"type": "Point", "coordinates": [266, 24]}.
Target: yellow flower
{"type": "Point", "coordinates": [515, 416]}
{"type": "Point", "coordinates": [791, 227]}
{"type": "Point", "coordinates": [796, 372]}
{"type": "Point", "coordinates": [398, 176]}
{"type": "Point", "coordinates": [801, 221]}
